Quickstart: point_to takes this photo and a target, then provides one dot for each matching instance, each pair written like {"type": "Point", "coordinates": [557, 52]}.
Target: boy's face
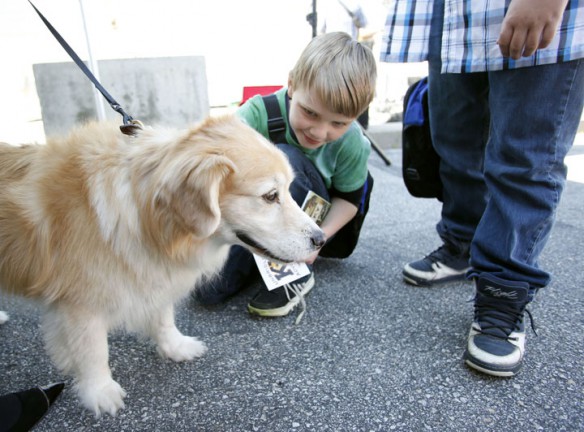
{"type": "Point", "coordinates": [312, 122]}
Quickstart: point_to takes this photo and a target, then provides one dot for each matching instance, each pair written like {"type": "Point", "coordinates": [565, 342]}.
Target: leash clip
{"type": "Point", "coordinates": [132, 127]}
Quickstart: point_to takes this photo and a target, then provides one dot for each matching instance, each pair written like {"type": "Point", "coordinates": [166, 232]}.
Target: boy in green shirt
{"type": "Point", "coordinates": [332, 83]}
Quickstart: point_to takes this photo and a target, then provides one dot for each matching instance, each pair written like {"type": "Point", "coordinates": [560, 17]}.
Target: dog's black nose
{"type": "Point", "coordinates": [318, 240]}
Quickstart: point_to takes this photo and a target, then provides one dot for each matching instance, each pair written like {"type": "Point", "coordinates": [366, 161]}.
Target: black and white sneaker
{"type": "Point", "coordinates": [496, 342]}
{"type": "Point", "coordinates": [280, 301]}
{"type": "Point", "coordinates": [445, 264]}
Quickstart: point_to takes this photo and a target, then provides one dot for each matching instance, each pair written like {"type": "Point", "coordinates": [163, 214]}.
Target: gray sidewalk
{"type": "Point", "coordinates": [371, 354]}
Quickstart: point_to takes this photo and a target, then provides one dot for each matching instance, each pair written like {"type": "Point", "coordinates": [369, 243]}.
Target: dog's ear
{"type": "Point", "coordinates": [196, 199]}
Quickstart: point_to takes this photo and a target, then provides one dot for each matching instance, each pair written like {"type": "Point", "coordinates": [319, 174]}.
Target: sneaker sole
{"type": "Point", "coordinates": [417, 281]}
{"type": "Point", "coordinates": [283, 310]}
{"type": "Point", "coordinates": [488, 369]}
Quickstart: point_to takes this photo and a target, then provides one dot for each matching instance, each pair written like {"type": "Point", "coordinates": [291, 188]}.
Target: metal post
{"type": "Point", "coordinates": [97, 97]}
{"type": "Point", "coordinates": [312, 18]}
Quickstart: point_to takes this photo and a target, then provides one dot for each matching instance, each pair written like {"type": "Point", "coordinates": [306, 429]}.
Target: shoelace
{"type": "Point", "coordinates": [509, 316]}
{"type": "Point", "coordinates": [296, 290]}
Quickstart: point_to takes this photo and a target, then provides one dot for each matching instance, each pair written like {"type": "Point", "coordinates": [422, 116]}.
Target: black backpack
{"type": "Point", "coordinates": [421, 163]}
{"type": "Point", "coordinates": [345, 240]}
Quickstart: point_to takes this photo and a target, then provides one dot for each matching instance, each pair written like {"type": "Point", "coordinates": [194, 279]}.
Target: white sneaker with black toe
{"type": "Point", "coordinates": [496, 342]}
{"type": "Point", "coordinates": [445, 264]}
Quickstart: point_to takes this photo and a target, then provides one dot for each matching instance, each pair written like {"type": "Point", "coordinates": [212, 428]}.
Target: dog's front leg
{"type": "Point", "coordinates": [77, 343]}
{"type": "Point", "coordinates": [171, 343]}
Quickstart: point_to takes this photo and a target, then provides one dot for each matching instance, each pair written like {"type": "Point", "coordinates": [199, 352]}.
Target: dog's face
{"type": "Point", "coordinates": [233, 184]}
{"type": "Point", "coordinates": [259, 212]}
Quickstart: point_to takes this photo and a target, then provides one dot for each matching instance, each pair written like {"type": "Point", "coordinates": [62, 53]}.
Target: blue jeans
{"type": "Point", "coordinates": [502, 137]}
{"type": "Point", "coordinates": [240, 268]}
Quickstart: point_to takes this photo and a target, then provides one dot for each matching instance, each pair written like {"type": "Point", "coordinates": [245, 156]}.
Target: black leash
{"type": "Point", "coordinates": [130, 126]}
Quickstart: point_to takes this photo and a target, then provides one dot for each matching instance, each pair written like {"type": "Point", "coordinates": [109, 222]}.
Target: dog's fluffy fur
{"type": "Point", "coordinates": [111, 231]}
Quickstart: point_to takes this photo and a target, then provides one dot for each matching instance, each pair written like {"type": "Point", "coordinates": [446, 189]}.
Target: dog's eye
{"type": "Point", "coordinates": [272, 197]}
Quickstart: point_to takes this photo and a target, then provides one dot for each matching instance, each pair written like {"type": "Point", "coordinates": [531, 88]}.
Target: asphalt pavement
{"type": "Point", "coordinates": [371, 353]}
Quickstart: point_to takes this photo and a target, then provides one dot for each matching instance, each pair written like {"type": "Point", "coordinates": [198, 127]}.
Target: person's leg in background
{"type": "Point", "coordinates": [363, 119]}
{"type": "Point", "coordinates": [459, 121]}
{"type": "Point", "coordinates": [535, 114]}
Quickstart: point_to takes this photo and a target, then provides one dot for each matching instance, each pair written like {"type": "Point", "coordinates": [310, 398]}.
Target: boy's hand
{"type": "Point", "coordinates": [529, 25]}
{"type": "Point", "coordinates": [312, 257]}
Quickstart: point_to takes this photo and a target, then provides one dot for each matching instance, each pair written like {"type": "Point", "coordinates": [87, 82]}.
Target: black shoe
{"type": "Point", "coordinates": [22, 410]}
{"type": "Point", "coordinates": [445, 264]}
{"type": "Point", "coordinates": [280, 301]}
{"type": "Point", "coordinates": [496, 342]}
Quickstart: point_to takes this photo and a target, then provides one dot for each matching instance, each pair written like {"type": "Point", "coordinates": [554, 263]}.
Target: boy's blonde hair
{"type": "Point", "coordinates": [339, 70]}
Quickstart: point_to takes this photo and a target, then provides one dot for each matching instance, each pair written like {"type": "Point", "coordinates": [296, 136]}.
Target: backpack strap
{"type": "Point", "coordinates": [276, 123]}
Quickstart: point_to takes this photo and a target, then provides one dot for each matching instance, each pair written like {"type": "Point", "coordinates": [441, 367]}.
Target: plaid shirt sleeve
{"type": "Point", "coordinates": [407, 29]}
{"type": "Point", "coordinates": [471, 30]}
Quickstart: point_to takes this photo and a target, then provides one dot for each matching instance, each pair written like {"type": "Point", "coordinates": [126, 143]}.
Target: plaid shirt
{"type": "Point", "coordinates": [471, 30]}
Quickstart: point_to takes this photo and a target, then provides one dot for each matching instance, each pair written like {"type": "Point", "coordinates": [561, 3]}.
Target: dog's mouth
{"type": "Point", "coordinates": [255, 245]}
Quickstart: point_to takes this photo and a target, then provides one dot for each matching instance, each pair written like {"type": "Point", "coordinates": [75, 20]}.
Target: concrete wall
{"type": "Point", "coordinates": [170, 91]}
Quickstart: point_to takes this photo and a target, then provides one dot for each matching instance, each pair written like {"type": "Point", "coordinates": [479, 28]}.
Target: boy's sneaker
{"type": "Point", "coordinates": [280, 301]}
{"type": "Point", "coordinates": [445, 264]}
{"type": "Point", "coordinates": [496, 342]}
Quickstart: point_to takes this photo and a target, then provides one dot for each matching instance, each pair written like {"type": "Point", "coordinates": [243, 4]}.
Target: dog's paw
{"type": "Point", "coordinates": [104, 397]}
{"type": "Point", "coordinates": [3, 317]}
{"type": "Point", "coordinates": [182, 348]}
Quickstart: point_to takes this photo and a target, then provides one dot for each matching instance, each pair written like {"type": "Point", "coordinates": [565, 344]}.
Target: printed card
{"type": "Point", "coordinates": [276, 274]}
{"type": "Point", "coordinates": [316, 207]}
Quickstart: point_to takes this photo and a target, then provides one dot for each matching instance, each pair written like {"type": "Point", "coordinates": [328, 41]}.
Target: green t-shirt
{"type": "Point", "coordinates": [342, 163]}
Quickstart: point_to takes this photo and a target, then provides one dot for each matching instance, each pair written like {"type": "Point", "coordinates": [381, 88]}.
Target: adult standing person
{"type": "Point", "coordinates": [506, 88]}
{"type": "Point", "coordinates": [346, 16]}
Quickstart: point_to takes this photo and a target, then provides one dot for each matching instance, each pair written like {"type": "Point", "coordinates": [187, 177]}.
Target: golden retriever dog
{"type": "Point", "coordinates": [110, 231]}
